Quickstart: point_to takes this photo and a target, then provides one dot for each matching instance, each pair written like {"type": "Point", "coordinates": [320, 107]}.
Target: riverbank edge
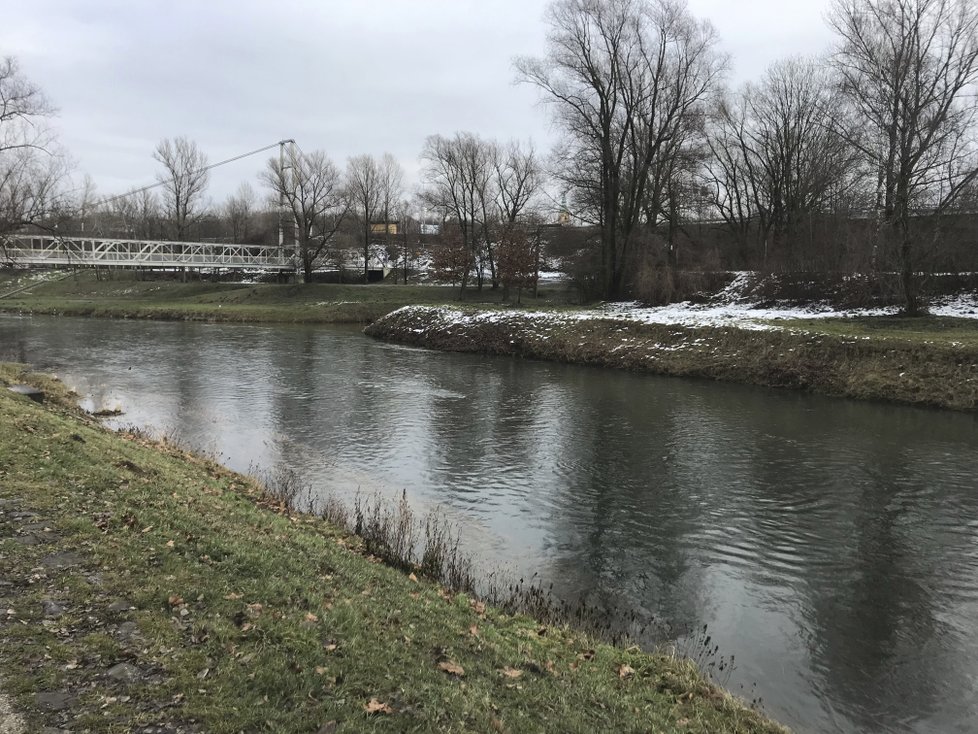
{"type": "Point", "coordinates": [348, 312]}
{"type": "Point", "coordinates": [147, 585]}
{"type": "Point", "coordinates": [884, 369]}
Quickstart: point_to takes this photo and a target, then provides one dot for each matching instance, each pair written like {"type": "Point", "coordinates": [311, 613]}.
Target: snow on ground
{"type": "Point", "coordinates": [726, 310]}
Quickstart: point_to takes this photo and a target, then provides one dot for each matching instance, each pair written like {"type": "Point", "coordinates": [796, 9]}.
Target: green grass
{"type": "Point", "coordinates": [920, 330]}
{"type": "Point", "coordinates": [124, 296]}
{"type": "Point", "coordinates": [246, 619]}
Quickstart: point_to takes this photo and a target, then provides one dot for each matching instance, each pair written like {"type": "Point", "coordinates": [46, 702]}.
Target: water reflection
{"type": "Point", "coordinates": [829, 545]}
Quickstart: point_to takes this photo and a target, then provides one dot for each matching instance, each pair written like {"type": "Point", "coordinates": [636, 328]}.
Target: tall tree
{"type": "Point", "coordinates": [779, 155]}
{"type": "Point", "coordinates": [239, 211]}
{"type": "Point", "coordinates": [625, 78]}
{"type": "Point", "coordinates": [312, 188]}
{"type": "Point", "coordinates": [184, 181]}
{"type": "Point", "coordinates": [909, 68]}
{"type": "Point", "coordinates": [32, 166]}
{"type": "Point", "coordinates": [457, 173]}
{"type": "Point", "coordinates": [517, 181]}
{"type": "Point", "coordinates": [391, 177]}
{"type": "Point", "coordinates": [364, 187]}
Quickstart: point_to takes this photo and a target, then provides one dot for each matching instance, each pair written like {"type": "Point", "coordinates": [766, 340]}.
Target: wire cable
{"type": "Point", "coordinates": [208, 167]}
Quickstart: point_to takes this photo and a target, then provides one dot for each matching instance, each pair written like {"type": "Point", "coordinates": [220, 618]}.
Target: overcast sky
{"type": "Point", "coordinates": [347, 76]}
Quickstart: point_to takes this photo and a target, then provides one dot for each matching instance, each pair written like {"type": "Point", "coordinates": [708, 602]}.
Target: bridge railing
{"type": "Point", "coordinates": [56, 250]}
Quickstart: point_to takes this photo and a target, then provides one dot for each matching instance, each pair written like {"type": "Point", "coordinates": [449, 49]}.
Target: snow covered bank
{"type": "Point", "coordinates": [734, 306]}
{"type": "Point", "coordinates": [712, 342]}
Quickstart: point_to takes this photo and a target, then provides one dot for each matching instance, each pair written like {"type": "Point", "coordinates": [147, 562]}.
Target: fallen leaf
{"type": "Point", "coordinates": [451, 668]}
{"type": "Point", "coordinates": [320, 670]}
{"type": "Point", "coordinates": [376, 707]}
{"type": "Point", "coordinates": [170, 544]}
{"type": "Point", "coordinates": [147, 528]}
{"type": "Point", "coordinates": [232, 596]}
{"type": "Point", "coordinates": [625, 671]}
{"type": "Point", "coordinates": [511, 672]}
{"type": "Point", "coordinates": [479, 607]}
{"type": "Point", "coordinates": [330, 647]}
{"type": "Point", "coordinates": [175, 600]}
{"type": "Point", "coordinates": [474, 630]}
{"type": "Point", "coordinates": [412, 577]}
{"type": "Point", "coordinates": [310, 617]}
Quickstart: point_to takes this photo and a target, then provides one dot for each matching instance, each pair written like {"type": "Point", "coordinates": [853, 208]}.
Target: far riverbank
{"type": "Point", "coordinates": [932, 362]}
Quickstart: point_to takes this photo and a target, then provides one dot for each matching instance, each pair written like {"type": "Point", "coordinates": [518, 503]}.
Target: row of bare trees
{"type": "Point", "coordinates": [881, 130]}
{"type": "Point", "coordinates": [488, 192]}
{"type": "Point", "coordinates": [854, 160]}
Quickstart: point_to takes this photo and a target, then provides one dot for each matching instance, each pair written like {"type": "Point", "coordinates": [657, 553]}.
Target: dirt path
{"type": "Point", "coordinates": [10, 721]}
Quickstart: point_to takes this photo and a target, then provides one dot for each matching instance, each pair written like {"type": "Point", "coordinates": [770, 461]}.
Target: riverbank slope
{"type": "Point", "coordinates": [146, 586]}
{"type": "Point", "coordinates": [930, 362]}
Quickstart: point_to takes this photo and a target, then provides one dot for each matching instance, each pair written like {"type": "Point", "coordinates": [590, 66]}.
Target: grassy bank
{"type": "Point", "coordinates": [927, 362]}
{"type": "Point", "coordinates": [142, 586]}
{"type": "Point", "coordinates": [81, 294]}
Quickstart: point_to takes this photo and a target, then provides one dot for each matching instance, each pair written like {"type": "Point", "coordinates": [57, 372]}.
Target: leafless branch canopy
{"type": "Point", "coordinates": [184, 182]}
{"type": "Point", "coordinates": [627, 81]}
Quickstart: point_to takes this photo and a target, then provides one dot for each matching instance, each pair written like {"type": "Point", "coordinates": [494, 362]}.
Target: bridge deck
{"type": "Point", "coordinates": [89, 251]}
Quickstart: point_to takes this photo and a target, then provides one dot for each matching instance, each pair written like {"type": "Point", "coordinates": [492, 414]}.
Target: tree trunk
{"type": "Point", "coordinates": [912, 305]}
{"type": "Point", "coordinates": [366, 253]}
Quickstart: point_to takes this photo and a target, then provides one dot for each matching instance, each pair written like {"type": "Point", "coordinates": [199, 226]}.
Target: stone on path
{"type": "Point", "coordinates": [125, 672]}
{"type": "Point", "coordinates": [53, 700]}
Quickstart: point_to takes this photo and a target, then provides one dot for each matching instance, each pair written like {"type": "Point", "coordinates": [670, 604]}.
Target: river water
{"type": "Point", "coordinates": [831, 546]}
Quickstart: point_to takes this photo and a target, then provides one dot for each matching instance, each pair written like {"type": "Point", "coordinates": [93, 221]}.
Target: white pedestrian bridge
{"type": "Point", "coordinates": [61, 250]}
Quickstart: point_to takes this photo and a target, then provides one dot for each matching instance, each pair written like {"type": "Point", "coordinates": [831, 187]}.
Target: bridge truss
{"type": "Point", "coordinates": [52, 250]}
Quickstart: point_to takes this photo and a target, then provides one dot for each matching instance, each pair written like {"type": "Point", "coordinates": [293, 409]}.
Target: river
{"type": "Point", "coordinates": [831, 546]}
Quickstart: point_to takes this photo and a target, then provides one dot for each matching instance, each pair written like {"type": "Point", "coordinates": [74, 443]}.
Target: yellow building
{"type": "Point", "coordinates": [377, 228]}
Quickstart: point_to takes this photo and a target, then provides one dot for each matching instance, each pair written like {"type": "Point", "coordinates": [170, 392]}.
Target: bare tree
{"type": "Point", "coordinates": [239, 211]}
{"type": "Point", "coordinates": [311, 186]}
{"type": "Point", "coordinates": [364, 187]}
{"type": "Point", "coordinates": [391, 177]}
{"type": "Point", "coordinates": [457, 172]}
{"type": "Point", "coordinates": [184, 181]}
{"type": "Point", "coordinates": [909, 68]}
{"type": "Point", "coordinates": [779, 155]}
{"type": "Point", "coordinates": [139, 213]}
{"type": "Point", "coordinates": [625, 78]}
{"type": "Point", "coordinates": [518, 177]}
{"type": "Point", "coordinates": [32, 166]}
{"type": "Point", "coordinates": [516, 185]}
{"type": "Point", "coordinates": [408, 235]}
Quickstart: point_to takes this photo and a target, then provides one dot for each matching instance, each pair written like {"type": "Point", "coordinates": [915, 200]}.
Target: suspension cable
{"type": "Point", "coordinates": [163, 182]}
